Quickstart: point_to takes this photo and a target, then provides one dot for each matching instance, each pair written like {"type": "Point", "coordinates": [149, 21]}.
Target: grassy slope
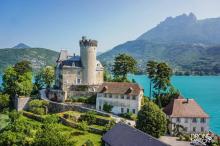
{"type": "Point", "coordinates": [39, 57]}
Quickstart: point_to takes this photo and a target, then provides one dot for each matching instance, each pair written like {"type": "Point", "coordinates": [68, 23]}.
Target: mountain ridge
{"type": "Point", "coordinates": [181, 41]}
{"type": "Point", "coordinates": [21, 46]}
{"type": "Point", "coordinates": [39, 57]}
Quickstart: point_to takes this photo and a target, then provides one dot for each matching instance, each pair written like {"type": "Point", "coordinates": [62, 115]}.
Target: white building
{"type": "Point", "coordinates": [124, 97]}
{"type": "Point", "coordinates": [187, 113]}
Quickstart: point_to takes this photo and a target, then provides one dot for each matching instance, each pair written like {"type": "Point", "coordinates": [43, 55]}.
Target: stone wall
{"type": "Point", "coordinates": [80, 94]}
{"type": "Point", "coordinates": [75, 125]}
{"type": "Point", "coordinates": [57, 95]}
{"type": "Point", "coordinates": [55, 107]}
{"type": "Point", "coordinates": [21, 103]}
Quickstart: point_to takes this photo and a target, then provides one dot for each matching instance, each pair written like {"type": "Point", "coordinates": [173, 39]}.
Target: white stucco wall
{"type": "Point", "coordinates": [190, 124]}
{"type": "Point", "coordinates": [118, 103]}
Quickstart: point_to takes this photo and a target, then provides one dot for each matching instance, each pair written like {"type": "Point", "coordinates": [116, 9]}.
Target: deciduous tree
{"type": "Point", "coordinates": [152, 120]}
{"type": "Point", "coordinates": [124, 64]}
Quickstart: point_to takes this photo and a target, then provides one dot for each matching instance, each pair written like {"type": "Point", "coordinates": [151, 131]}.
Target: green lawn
{"type": "Point", "coordinates": [3, 120]}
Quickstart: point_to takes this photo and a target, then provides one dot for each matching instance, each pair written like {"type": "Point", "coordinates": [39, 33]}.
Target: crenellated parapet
{"type": "Point", "coordinates": [88, 42]}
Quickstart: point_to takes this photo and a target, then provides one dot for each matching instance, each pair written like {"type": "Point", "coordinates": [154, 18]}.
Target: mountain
{"type": "Point", "coordinates": [39, 57]}
{"type": "Point", "coordinates": [21, 46]}
{"type": "Point", "coordinates": [185, 29]}
{"type": "Point", "coordinates": [187, 44]}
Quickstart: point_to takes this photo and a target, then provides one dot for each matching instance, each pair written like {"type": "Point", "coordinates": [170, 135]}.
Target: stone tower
{"type": "Point", "coordinates": [88, 59]}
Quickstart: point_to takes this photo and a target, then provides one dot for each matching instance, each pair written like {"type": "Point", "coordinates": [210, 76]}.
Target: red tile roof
{"type": "Point", "coordinates": [181, 107]}
{"type": "Point", "coordinates": [120, 88]}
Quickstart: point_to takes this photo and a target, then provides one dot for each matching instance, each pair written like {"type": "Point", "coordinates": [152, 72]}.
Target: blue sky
{"type": "Point", "coordinates": [59, 24]}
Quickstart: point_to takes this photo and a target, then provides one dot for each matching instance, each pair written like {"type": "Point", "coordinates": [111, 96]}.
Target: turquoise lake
{"type": "Point", "coordinates": [204, 89]}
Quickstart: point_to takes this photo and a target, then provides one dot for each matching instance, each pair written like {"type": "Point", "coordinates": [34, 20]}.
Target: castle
{"type": "Point", "coordinates": [79, 70]}
{"type": "Point", "coordinates": [84, 76]}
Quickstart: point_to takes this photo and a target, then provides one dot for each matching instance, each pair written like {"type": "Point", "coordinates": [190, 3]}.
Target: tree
{"type": "Point", "coordinates": [107, 76]}
{"type": "Point", "coordinates": [9, 78]}
{"type": "Point", "coordinates": [23, 67]}
{"type": "Point", "coordinates": [51, 135]}
{"type": "Point", "coordinates": [123, 64]}
{"type": "Point", "coordinates": [19, 83]}
{"type": "Point", "coordinates": [48, 76]}
{"type": "Point", "coordinates": [151, 71]}
{"type": "Point", "coordinates": [4, 101]}
{"type": "Point", "coordinates": [38, 83]}
{"type": "Point", "coordinates": [162, 80]}
{"type": "Point", "coordinates": [159, 75]}
{"type": "Point", "coordinates": [152, 120]}
{"type": "Point", "coordinates": [107, 107]}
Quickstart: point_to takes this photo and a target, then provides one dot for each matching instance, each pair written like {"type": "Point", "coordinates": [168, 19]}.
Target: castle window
{"type": "Point", "coordinates": [78, 72]}
{"type": "Point", "coordinates": [128, 97]}
{"type": "Point", "coordinates": [133, 111]}
{"type": "Point", "coordinates": [127, 110]}
{"type": "Point", "coordinates": [202, 120]}
{"type": "Point", "coordinates": [178, 120]}
{"type": "Point", "coordinates": [78, 81]}
{"type": "Point", "coordinates": [133, 97]}
{"type": "Point", "coordinates": [122, 110]}
{"type": "Point", "coordinates": [186, 120]}
{"type": "Point", "coordinates": [122, 96]}
{"type": "Point", "coordinates": [110, 95]}
{"type": "Point", "coordinates": [194, 120]}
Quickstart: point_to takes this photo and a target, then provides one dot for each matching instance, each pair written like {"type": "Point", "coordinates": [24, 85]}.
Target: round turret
{"type": "Point", "coordinates": [88, 59]}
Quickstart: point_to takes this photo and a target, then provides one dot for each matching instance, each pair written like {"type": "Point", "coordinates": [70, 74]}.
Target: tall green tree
{"type": "Point", "coordinates": [152, 120]}
{"type": "Point", "coordinates": [124, 64]}
{"type": "Point", "coordinates": [151, 71]}
{"type": "Point", "coordinates": [48, 75]}
{"type": "Point", "coordinates": [159, 75]}
{"type": "Point", "coordinates": [162, 80]}
{"type": "Point", "coordinates": [18, 79]}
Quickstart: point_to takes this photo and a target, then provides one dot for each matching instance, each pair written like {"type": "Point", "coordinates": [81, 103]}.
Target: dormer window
{"type": "Point", "coordinates": [130, 90]}
{"type": "Point", "coordinates": [73, 64]}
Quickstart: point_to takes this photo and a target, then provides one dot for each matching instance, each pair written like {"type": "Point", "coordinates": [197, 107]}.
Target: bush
{"type": "Point", "coordinates": [4, 101]}
{"type": "Point", "coordinates": [88, 143]}
{"type": "Point", "coordinates": [89, 117]}
{"type": "Point", "coordinates": [83, 126]}
{"type": "Point", "coordinates": [91, 100]}
{"type": "Point", "coordinates": [38, 110]}
{"type": "Point", "coordinates": [129, 116]}
{"type": "Point", "coordinates": [109, 126]}
{"type": "Point", "coordinates": [37, 106]}
{"type": "Point", "coordinates": [51, 119]}
{"type": "Point", "coordinates": [107, 107]}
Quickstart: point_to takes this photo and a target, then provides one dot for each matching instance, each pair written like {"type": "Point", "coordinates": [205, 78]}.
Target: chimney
{"type": "Point", "coordinates": [130, 90]}
{"type": "Point", "coordinates": [105, 88]}
{"type": "Point", "coordinates": [74, 54]}
{"type": "Point", "coordinates": [187, 100]}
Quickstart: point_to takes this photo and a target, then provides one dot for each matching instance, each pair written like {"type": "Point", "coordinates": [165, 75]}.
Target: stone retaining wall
{"type": "Point", "coordinates": [55, 107]}
{"type": "Point", "coordinates": [74, 125]}
{"type": "Point", "coordinates": [21, 103]}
